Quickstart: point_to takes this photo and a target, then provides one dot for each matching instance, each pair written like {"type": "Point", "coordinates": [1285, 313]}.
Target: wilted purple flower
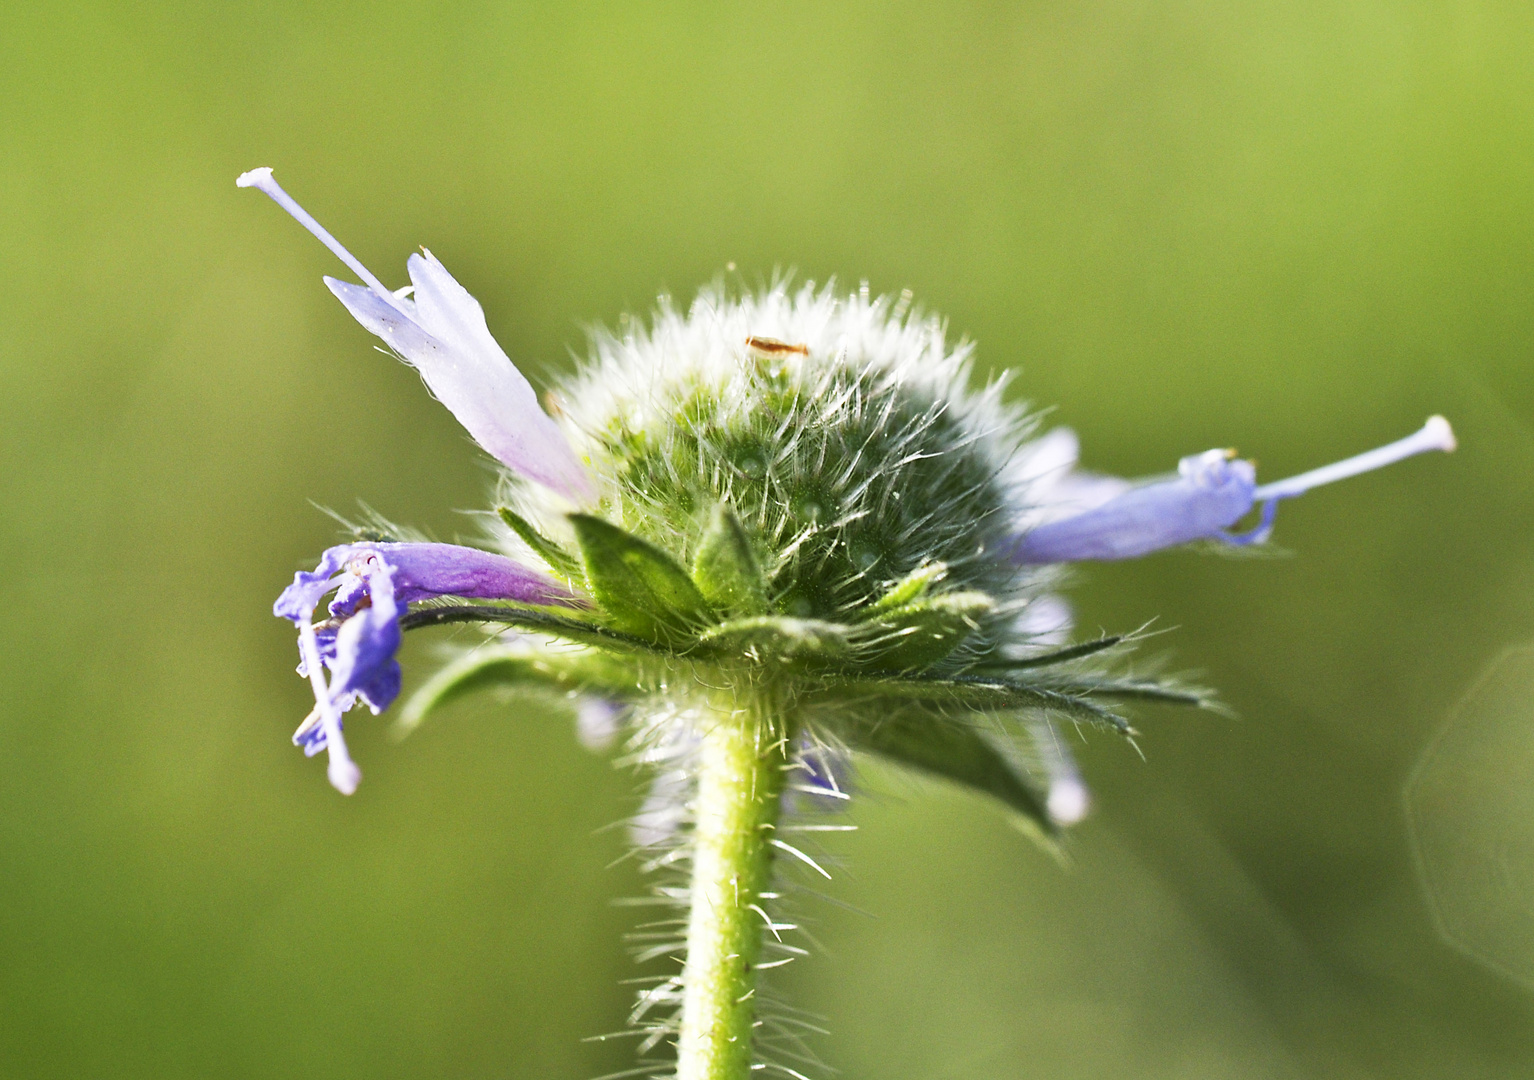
{"type": "Point", "coordinates": [441, 332]}
{"type": "Point", "coordinates": [374, 583]}
{"type": "Point", "coordinates": [1212, 491]}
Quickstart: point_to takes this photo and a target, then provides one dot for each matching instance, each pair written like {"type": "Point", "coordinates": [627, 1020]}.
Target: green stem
{"type": "Point", "coordinates": [740, 781]}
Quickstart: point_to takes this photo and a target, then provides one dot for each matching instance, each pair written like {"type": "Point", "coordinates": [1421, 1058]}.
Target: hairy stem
{"type": "Point", "coordinates": [741, 775]}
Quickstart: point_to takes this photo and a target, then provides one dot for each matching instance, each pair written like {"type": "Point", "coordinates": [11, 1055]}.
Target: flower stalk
{"type": "Point", "coordinates": [741, 767]}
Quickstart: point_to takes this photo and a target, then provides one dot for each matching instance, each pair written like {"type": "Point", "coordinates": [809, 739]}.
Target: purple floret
{"type": "Point", "coordinates": [374, 584]}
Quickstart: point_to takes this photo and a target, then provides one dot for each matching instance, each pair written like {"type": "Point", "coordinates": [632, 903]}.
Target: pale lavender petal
{"type": "Point", "coordinates": [1053, 485]}
{"type": "Point", "coordinates": [392, 322]}
{"type": "Point", "coordinates": [598, 722]}
{"type": "Point", "coordinates": [1045, 623]}
{"type": "Point", "coordinates": [1211, 493]}
{"type": "Point", "coordinates": [483, 388]}
{"type": "Point", "coordinates": [299, 599]}
{"type": "Point", "coordinates": [445, 338]}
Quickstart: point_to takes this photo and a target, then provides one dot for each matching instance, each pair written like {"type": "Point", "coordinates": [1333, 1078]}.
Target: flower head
{"type": "Point", "coordinates": [800, 492]}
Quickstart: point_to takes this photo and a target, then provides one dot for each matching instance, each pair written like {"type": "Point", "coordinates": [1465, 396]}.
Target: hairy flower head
{"type": "Point", "coordinates": [798, 492]}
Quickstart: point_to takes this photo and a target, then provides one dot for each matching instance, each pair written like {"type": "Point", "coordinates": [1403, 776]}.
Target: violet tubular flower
{"type": "Point", "coordinates": [374, 583]}
{"type": "Point", "coordinates": [1212, 492]}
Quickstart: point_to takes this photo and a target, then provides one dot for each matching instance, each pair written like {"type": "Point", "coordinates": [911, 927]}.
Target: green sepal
{"type": "Point", "coordinates": [908, 589]}
{"type": "Point", "coordinates": [1059, 656]}
{"type": "Point", "coordinates": [643, 589]}
{"type": "Point", "coordinates": [559, 560]}
{"type": "Point", "coordinates": [725, 568]}
{"type": "Point", "coordinates": [1133, 690]}
{"type": "Point", "coordinates": [918, 635]}
{"type": "Point", "coordinates": [946, 696]}
{"type": "Point", "coordinates": [951, 749]}
{"type": "Point", "coordinates": [780, 637]}
{"type": "Point", "coordinates": [526, 618]}
{"type": "Point", "coordinates": [518, 666]}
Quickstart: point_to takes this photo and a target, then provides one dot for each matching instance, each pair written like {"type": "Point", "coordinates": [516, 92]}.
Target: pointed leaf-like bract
{"type": "Point", "coordinates": [559, 560]}
{"type": "Point", "coordinates": [1132, 690]}
{"type": "Point", "coordinates": [950, 749]}
{"type": "Point", "coordinates": [908, 589]}
{"type": "Point", "coordinates": [540, 622]}
{"type": "Point", "coordinates": [926, 631]}
{"type": "Point", "coordinates": [645, 591]}
{"type": "Point", "coordinates": [725, 568]}
{"type": "Point", "coordinates": [1060, 656]}
{"type": "Point", "coordinates": [517, 666]}
{"type": "Point", "coordinates": [767, 637]}
{"type": "Point", "coordinates": [475, 671]}
{"type": "Point", "coordinates": [963, 693]}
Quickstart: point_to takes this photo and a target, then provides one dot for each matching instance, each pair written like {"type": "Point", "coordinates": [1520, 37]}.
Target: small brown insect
{"type": "Point", "coordinates": [766, 346]}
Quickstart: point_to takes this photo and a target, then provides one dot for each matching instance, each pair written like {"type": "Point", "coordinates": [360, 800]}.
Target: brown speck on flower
{"type": "Point", "coordinates": [766, 346]}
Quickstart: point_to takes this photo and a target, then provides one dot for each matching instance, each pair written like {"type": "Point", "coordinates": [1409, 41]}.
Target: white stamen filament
{"type": "Point", "coordinates": [261, 179]}
{"type": "Point", "coordinates": [1067, 799]}
{"type": "Point", "coordinates": [1436, 434]}
{"type": "Point", "coordinates": [342, 770]}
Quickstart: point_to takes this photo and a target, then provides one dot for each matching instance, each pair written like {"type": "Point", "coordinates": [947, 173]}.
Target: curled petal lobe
{"type": "Point", "coordinates": [365, 644]}
{"type": "Point", "coordinates": [373, 584]}
{"type": "Point", "coordinates": [309, 587]}
{"type": "Point", "coordinates": [391, 321]}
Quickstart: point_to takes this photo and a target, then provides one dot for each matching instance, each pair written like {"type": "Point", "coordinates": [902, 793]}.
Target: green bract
{"type": "Point", "coordinates": [822, 524]}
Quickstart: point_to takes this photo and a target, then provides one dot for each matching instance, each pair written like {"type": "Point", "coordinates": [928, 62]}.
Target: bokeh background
{"type": "Point", "coordinates": [1295, 228]}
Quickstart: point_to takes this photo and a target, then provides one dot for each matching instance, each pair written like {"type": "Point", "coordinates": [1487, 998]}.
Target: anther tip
{"type": "Point", "coordinates": [1438, 428]}
{"type": "Point", "coordinates": [344, 775]}
{"type": "Point", "coordinates": [255, 177]}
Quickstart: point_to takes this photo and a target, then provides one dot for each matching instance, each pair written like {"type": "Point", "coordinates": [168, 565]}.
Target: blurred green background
{"type": "Point", "coordinates": [1296, 228]}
